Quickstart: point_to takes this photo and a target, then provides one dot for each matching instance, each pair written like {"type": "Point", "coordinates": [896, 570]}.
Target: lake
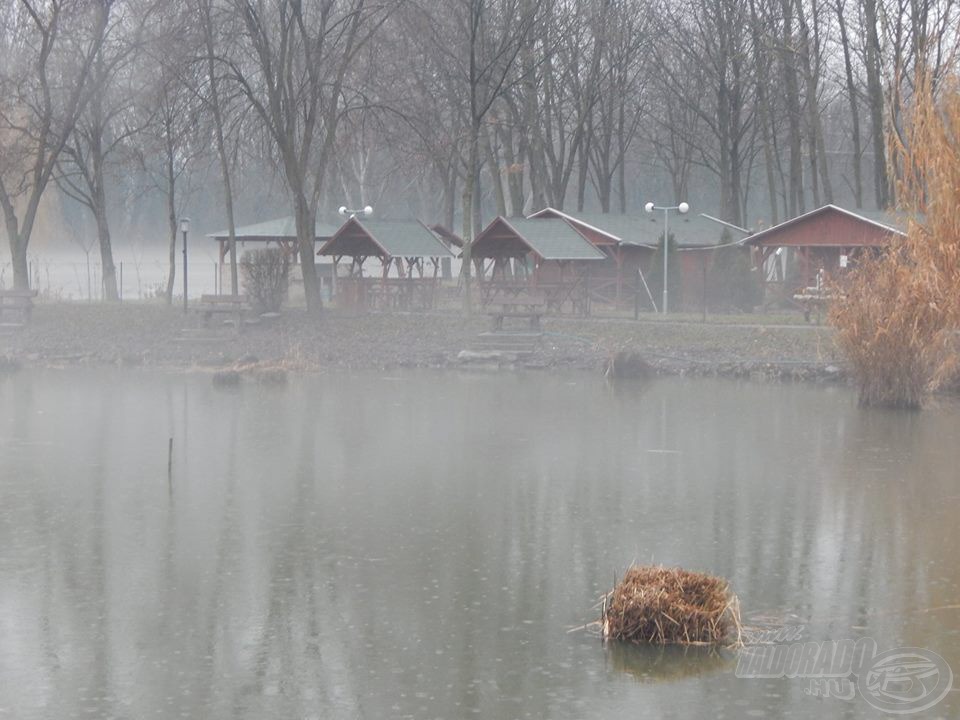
{"type": "Point", "coordinates": [425, 544]}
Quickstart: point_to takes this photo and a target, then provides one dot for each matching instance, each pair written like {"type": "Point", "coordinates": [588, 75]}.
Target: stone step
{"type": "Point", "coordinates": [527, 341]}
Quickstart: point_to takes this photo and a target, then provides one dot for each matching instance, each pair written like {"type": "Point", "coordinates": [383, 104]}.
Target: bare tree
{"type": "Point", "coordinates": [44, 88]}
{"type": "Point", "coordinates": [104, 127]}
{"type": "Point", "coordinates": [215, 46]}
{"type": "Point", "coordinates": [480, 41]}
{"type": "Point", "coordinates": [295, 60]}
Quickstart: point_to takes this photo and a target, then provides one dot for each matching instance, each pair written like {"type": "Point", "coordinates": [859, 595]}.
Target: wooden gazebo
{"type": "Point", "coordinates": [549, 256]}
{"type": "Point", "coordinates": [792, 255]}
{"type": "Point", "coordinates": [403, 249]}
{"type": "Point", "coordinates": [281, 232]}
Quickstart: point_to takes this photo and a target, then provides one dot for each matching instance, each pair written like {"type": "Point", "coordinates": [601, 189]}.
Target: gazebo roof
{"type": "Point", "coordinates": [280, 229]}
{"type": "Point", "coordinates": [551, 239]}
{"type": "Point", "coordinates": [385, 239]}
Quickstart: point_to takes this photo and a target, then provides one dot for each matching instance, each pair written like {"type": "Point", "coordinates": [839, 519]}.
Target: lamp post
{"type": "Point", "coordinates": [184, 228]}
{"type": "Point", "coordinates": [683, 208]}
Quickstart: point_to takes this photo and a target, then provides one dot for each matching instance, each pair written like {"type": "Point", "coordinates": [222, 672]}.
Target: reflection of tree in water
{"type": "Point", "coordinates": [665, 663]}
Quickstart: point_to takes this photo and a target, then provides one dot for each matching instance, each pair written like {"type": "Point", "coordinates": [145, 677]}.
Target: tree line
{"type": "Point", "coordinates": [454, 110]}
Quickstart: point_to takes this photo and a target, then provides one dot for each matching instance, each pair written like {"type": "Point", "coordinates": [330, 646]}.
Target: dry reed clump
{"type": "Point", "coordinates": [897, 313]}
{"type": "Point", "coordinates": [894, 336]}
{"type": "Point", "coordinates": [659, 605]}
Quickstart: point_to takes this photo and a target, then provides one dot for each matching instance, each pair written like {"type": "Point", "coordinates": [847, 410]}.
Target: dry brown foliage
{"type": "Point", "coordinates": [659, 605]}
{"type": "Point", "coordinates": [898, 314]}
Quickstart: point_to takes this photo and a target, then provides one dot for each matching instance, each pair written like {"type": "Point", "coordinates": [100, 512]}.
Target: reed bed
{"type": "Point", "coordinates": [898, 313]}
{"type": "Point", "coordinates": [670, 606]}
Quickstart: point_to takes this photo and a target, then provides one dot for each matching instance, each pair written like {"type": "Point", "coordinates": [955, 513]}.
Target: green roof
{"type": "Point", "coordinates": [554, 239]}
{"type": "Point", "coordinates": [405, 238]}
{"type": "Point", "coordinates": [398, 238]}
{"type": "Point", "coordinates": [281, 228]}
{"type": "Point", "coordinates": [690, 230]}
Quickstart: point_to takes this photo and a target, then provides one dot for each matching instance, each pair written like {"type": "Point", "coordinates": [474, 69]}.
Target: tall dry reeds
{"type": "Point", "coordinates": [898, 313]}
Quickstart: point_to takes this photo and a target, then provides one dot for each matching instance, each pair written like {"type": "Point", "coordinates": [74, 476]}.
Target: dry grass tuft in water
{"type": "Point", "coordinates": [659, 605]}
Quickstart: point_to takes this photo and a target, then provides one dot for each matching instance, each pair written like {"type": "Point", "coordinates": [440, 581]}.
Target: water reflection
{"type": "Point", "coordinates": [418, 545]}
{"type": "Point", "coordinates": [652, 664]}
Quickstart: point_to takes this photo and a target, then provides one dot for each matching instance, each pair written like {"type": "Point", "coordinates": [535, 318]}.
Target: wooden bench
{"type": "Point", "coordinates": [233, 306]}
{"type": "Point", "coordinates": [18, 303]}
{"type": "Point", "coordinates": [527, 306]}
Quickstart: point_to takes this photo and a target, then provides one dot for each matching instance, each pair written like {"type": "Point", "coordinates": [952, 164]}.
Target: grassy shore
{"type": "Point", "coordinates": [155, 335]}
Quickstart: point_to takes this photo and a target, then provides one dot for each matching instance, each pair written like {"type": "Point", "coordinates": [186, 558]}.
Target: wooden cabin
{"type": "Point", "coordinates": [792, 254]}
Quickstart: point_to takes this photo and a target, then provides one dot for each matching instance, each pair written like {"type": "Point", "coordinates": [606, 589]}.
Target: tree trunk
{"type": "Point", "coordinates": [221, 147]}
{"type": "Point", "coordinates": [583, 160]}
{"type": "Point", "coordinates": [21, 269]}
{"type": "Point", "coordinates": [108, 269]}
{"type": "Point", "coordinates": [794, 115]}
{"type": "Point", "coordinates": [495, 178]}
{"type": "Point", "coordinates": [99, 197]}
{"type": "Point", "coordinates": [471, 211]}
{"type": "Point", "coordinates": [875, 95]}
{"type": "Point", "coordinates": [514, 175]}
{"type": "Point", "coordinates": [305, 218]}
{"type": "Point", "coordinates": [172, 254]}
{"type": "Point", "coordinates": [764, 115]}
{"type": "Point", "coordinates": [18, 248]}
{"type": "Point", "coordinates": [854, 107]}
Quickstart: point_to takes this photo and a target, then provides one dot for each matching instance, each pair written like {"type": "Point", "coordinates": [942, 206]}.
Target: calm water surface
{"type": "Point", "coordinates": [419, 544]}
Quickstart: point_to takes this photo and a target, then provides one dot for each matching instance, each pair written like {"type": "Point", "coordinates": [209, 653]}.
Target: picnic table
{"type": "Point", "coordinates": [526, 305]}
{"type": "Point", "coordinates": [17, 303]}
{"type": "Point", "coordinates": [231, 306]}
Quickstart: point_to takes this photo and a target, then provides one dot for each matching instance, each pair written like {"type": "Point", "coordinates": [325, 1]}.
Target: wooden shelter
{"type": "Point", "coordinates": [403, 248]}
{"type": "Point", "coordinates": [550, 255]}
{"type": "Point", "coordinates": [798, 253]}
{"type": "Point", "coordinates": [281, 232]}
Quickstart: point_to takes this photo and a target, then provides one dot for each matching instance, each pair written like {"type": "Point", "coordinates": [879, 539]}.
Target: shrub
{"type": "Point", "coordinates": [265, 278]}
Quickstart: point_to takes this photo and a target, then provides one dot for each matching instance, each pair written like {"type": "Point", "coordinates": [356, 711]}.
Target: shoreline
{"type": "Point", "coordinates": [153, 335]}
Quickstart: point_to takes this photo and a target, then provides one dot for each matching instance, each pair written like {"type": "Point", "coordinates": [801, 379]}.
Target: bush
{"type": "Point", "coordinates": [265, 278]}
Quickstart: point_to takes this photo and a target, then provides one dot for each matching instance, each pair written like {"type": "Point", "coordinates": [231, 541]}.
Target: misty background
{"type": "Point", "coordinates": [118, 117]}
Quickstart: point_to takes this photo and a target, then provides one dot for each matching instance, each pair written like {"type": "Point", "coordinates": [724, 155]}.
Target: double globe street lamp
{"type": "Point", "coordinates": [683, 208]}
{"type": "Point", "coordinates": [346, 212]}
